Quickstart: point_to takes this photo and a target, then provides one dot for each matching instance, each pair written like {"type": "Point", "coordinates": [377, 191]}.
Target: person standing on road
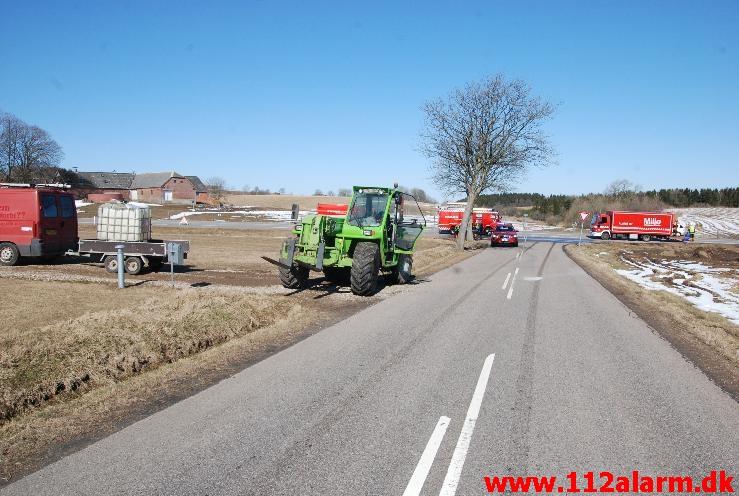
{"type": "Point", "coordinates": [691, 230]}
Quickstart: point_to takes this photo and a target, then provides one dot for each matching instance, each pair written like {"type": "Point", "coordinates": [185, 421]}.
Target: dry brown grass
{"type": "Point", "coordinates": [124, 333]}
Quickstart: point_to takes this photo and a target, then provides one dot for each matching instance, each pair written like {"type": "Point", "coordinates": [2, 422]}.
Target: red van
{"type": "Point", "coordinates": [36, 222]}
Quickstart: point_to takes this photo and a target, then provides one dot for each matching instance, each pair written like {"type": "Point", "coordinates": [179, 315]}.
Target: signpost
{"type": "Point", "coordinates": [583, 216]}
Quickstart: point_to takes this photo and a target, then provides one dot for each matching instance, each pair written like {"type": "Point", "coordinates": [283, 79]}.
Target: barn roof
{"type": "Point", "coordinates": [197, 184]}
{"type": "Point", "coordinates": [153, 180]}
{"type": "Point", "coordinates": [106, 180]}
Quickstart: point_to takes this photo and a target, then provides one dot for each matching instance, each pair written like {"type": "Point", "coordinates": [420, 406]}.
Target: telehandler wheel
{"type": "Point", "coordinates": [9, 254]}
{"type": "Point", "coordinates": [294, 278]}
{"type": "Point", "coordinates": [365, 268]}
{"type": "Point", "coordinates": [404, 269]}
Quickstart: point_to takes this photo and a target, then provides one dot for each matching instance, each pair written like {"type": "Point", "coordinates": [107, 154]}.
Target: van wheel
{"type": "Point", "coordinates": [488, 231]}
{"type": "Point", "coordinates": [134, 265]}
{"type": "Point", "coordinates": [605, 235]}
{"type": "Point", "coordinates": [111, 264]}
{"type": "Point", "coordinates": [9, 254]}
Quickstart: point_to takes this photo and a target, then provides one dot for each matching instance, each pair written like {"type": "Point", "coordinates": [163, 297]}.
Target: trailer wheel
{"type": "Point", "coordinates": [9, 254]}
{"type": "Point", "coordinates": [111, 263]}
{"type": "Point", "coordinates": [646, 237]}
{"type": "Point", "coordinates": [365, 268]}
{"type": "Point", "coordinates": [294, 278]}
{"type": "Point", "coordinates": [133, 265]}
{"type": "Point", "coordinates": [404, 269]}
{"type": "Point", "coordinates": [605, 235]}
{"type": "Point", "coordinates": [488, 231]}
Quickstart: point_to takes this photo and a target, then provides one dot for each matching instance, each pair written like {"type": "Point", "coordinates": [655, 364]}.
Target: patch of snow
{"type": "Point", "coordinates": [707, 288]}
{"type": "Point", "coordinates": [81, 203]}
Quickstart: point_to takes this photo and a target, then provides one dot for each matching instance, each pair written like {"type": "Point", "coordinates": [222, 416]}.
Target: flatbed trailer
{"type": "Point", "coordinates": [138, 255]}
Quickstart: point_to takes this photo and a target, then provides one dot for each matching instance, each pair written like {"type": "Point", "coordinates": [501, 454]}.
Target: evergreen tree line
{"type": "Point", "coordinates": [674, 197]}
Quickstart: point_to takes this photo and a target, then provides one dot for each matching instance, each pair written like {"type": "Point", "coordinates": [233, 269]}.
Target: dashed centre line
{"type": "Point", "coordinates": [451, 481]}
{"type": "Point", "coordinates": [510, 290]}
{"type": "Point", "coordinates": [427, 458]}
{"type": "Point", "coordinates": [506, 281]}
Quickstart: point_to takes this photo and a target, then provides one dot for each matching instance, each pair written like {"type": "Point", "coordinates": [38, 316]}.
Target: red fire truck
{"type": "Point", "coordinates": [36, 222]}
{"type": "Point", "coordinates": [632, 225]}
{"type": "Point", "coordinates": [451, 218]}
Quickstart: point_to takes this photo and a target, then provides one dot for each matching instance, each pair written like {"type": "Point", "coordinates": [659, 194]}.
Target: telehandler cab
{"type": "Point", "coordinates": [377, 235]}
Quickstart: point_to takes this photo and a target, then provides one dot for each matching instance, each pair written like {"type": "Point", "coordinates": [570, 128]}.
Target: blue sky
{"type": "Point", "coordinates": [310, 95]}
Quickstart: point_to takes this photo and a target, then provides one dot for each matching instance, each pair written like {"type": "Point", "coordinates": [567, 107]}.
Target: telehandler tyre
{"type": "Point", "coordinates": [294, 278]}
{"type": "Point", "coordinates": [365, 268]}
{"type": "Point", "coordinates": [403, 271]}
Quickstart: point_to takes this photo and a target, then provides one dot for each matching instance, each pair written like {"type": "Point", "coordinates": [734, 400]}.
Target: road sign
{"type": "Point", "coordinates": [584, 215]}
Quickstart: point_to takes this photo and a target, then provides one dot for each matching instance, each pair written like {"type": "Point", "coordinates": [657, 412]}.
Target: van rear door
{"type": "Point", "coordinates": [50, 224]}
{"type": "Point", "coordinates": [68, 224]}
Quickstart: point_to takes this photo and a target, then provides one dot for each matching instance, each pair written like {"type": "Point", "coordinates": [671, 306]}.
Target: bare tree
{"type": "Point", "coordinates": [318, 192]}
{"type": "Point", "coordinates": [621, 188]}
{"type": "Point", "coordinates": [216, 187]}
{"type": "Point", "coordinates": [484, 136]}
{"type": "Point", "coordinates": [27, 153]}
{"type": "Point", "coordinates": [345, 192]}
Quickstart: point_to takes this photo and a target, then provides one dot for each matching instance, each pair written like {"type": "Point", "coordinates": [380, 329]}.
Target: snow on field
{"type": "Point", "coordinates": [710, 221]}
{"type": "Point", "coordinates": [81, 203]}
{"type": "Point", "coordinates": [270, 215]}
{"type": "Point", "coordinates": [708, 288]}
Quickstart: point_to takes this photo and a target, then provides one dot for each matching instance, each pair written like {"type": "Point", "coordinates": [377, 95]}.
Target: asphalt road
{"type": "Point", "coordinates": [576, 382]}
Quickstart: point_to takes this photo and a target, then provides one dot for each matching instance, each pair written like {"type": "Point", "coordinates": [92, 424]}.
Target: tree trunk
{"type": "Point", "coordinates": [463, 228]}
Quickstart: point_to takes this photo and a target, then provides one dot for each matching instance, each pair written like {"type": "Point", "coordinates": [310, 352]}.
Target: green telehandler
{"type": "Point", "coordinates": [376, 236]}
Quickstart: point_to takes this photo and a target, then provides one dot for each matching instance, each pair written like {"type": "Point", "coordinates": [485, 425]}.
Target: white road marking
{"type": "Point", "coordinates": [506, 281]}
{"type": "Point", "coordinates": [510, 290]}
{"type": "Point", "coordinates": [427, 459]}
{"type": "Point", "coordinates": [537, 278]}
{"type": "Point", "coordinates": [449, 487]}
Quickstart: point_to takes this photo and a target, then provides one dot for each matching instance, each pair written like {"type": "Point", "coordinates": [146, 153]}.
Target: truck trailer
{"type": "Point", "coordinates": [632, 225]}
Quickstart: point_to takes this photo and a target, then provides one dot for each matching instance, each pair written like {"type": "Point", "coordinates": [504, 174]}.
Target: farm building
{"type": "Point", "coordinates": [158, 187]}
{"type": "Point", "coordinates": [104, 186]}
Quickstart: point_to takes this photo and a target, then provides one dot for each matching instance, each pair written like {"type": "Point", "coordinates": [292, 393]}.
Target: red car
{"type": "Point", "coordinates": [504, 234]}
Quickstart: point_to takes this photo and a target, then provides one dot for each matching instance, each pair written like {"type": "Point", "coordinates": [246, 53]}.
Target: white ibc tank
{"type": "Point", "coordinates": [124, 222]}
